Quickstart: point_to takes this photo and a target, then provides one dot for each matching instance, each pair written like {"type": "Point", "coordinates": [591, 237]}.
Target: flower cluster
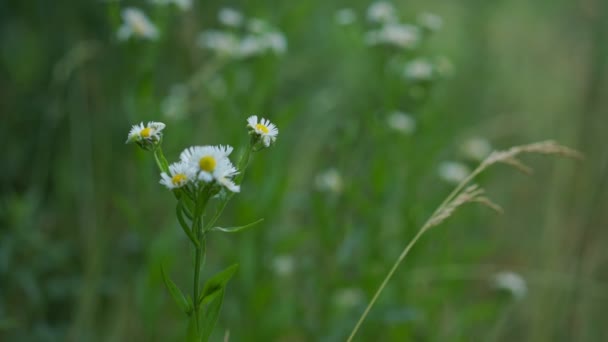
{"type": "Point", "coordinates": [390, 31]}
{"type": "Point", "coordinates": [202, 165]}
{"type": "Point", "coordinates": [206, 164]}
{"type": "Point", "coordinates": [242, 38]}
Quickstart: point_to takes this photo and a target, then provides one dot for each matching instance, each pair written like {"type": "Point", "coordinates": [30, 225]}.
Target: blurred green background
{"type": "Point", "coordinates": [85, 226]}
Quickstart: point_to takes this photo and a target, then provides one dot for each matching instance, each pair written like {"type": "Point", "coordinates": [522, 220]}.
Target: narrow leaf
{"type": "Point", "coordinates": [182, 222]}
{"type": "Point", "coordinates": [235, 229]}
{"type": "Point", "coordinates": [216, 284]}
{"type": "Point", "coordinates": [211, 315]}
{"type": "Point", "coordinates": [175, 292]}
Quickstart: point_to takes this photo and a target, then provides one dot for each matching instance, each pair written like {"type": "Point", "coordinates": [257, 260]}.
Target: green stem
{"type": "Point", "coordinates": [161, 161]}
{"type": "Point", "coordinates": [197, 226]}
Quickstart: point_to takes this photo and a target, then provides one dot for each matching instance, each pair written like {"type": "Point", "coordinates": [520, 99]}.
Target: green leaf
{"type": "Point", "coordinates": [235, 229]}
{"type": "Point", "coordinates": [182, 222]}
{"type": "Point", "coordinates": [175, 292]}
{"type": "Point", "coordinates": [216, 284]}
{"type": "Point", "coordinates": [211, 315]}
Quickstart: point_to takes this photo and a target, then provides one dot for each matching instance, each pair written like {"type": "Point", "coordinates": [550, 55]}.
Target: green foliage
{"type": "Point", "coordinates": [85, 226]}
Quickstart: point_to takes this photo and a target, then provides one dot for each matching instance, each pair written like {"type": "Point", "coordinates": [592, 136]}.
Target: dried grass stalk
{"type": "Point", "coordinates": [463, 194]}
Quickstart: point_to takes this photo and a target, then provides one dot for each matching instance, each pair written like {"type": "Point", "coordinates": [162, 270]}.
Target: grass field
{"type": "Point", "coordinates": [378, 124]}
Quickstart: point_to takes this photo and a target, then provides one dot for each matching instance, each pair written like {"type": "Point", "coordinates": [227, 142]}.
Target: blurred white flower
{"type": "Point", "coordinates": [223, 43]}
{"type": "Point", "coordinates": [259, 40]}
{"type": "Point", "coordinates": [152, 132]}
{"type": "Point", "coordinates": [345, 16]}
{"type": "Point", "coordinates": [181, 4]}
{"type": "Point", "coordinates": [348, 298]}
{"type": "Point", "coordinates": [276, 42]}
{"type": "Point", "coordinates": [179, 175]}
{"type": "Point", "coordinates": [401, 122]}
{"type": "Point", "coordinates": [476, 148]}
{"type": "Point", "coordinates": [453, 172]}
{"type": "Point", "coordinates": [330, 181]}
{"type": "Point", "coordinates": [251, 46]}
{"type": "Point", "coordinates": [263, 128]}
{"type": "Point", "coordinates": [430, 21]}
{"type": "Point", "coordinates": [283, 265]}
{"type": "Point", "coordinates": [512, 282]}
{"type": "Point", "coordinates": [399, 35]}
{"type": "Point", "coordinates": [230, 17]}
{"type": "Point", "coordinates": [381, 12]}
{"type": "Point", "coordinates": [136, 24]}
{"type": "Point", "coordinates": [418, 69]}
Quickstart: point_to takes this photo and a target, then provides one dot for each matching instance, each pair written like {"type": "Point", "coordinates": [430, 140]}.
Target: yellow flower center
{"type": "Point", "coordinates": [179, 178]}
{"type": "Point", "coordinates": [145, 133]}
{"type": "Point", "coordinates": [139, 27]}
{"type": "Point", "coordinates": [262, 128]}
{"type": "Point", "coordinates": [207, 163]}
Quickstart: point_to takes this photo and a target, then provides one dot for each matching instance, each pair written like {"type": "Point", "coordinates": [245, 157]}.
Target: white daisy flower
{"type": "Point", "coordinates": [179, 175]}
{"type": "Point", "coordinates": [430, 21]}
{"type": "Point", "coordinates": [401, 122]}
{"type": "Point", "coordinates": [251, 45]}
{"type": "Point", "coordinates": [211, 163]}
{"type": "Point", "coordinates": [283, 265]}
{"type": "Point", "coordinates": [419, 69]}
{"type": "Point", "coordinates": [264, 128]}
{"type": "Point", "coordinates": [400, 35]}
{"type": "Point", "coordinates": [453, 172]}
{"type": "Point", "coordinates": [476, 148]}
{"type": "Point", "coordinates": [230, 17]}
{"type": "Point", "coordinates": [151, 132]}
{"type": "Point", "coordinates": [137, 24]}
{"type": "Point", "coordinates": [181, 4]}
{"type": "Point", "coordinates": [329, 180]}
{"type": "Point", "coordinates": [512, 282]}
{"type": "Point", "coordinates": [276, 42]}
{"type": "Point", "coordinates": [381, 12]}
{"type": "Point", "coordinates": [223, 43]}
{"type": "Point", "coordinates": [348, 298]}
{"type": "Point", "coordinates": [345, 16]}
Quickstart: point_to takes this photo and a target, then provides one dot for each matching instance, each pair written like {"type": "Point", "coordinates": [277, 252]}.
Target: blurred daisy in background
{"type": "Point", "coordinates": [476, 148]}
{"type": "Point", "coordinates": [381, 12]}
{"type": "Point", "coordinates": [430, 21]}
{"type": "Point", "coordinates": [453, 172]}
{"type": "Point", "coordinates": [283, 265]}
{"type": "Point", "coordinates": [401, 122]}
{"type": "Point", "coordinates": [419, 69]}
{"type": "Point", "coordinates": [329, 180]}
{"type": "Point", "coordinates": [345, 16]}
{"type": "Point", "coordinates": [398, 35]}
{"type": "Point", "coordinates": [230, 17]}
{"type": "Point", "coordinates": [511, 282]}
{"type": "Point", "coordinates": [181, 4]}
{"type": "Point", "coordinates": [136, 24]}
